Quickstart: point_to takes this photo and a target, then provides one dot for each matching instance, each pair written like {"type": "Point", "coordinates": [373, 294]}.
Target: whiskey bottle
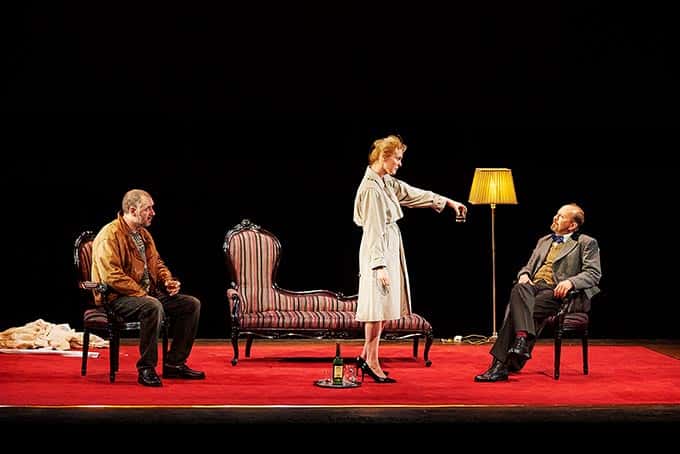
{"type": "Point", "coordinates": [337, 366]}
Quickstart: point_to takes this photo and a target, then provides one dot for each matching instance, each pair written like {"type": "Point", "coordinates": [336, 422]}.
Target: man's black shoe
{"type": "Point", "coordinates": [520, 348]}
{"type": "Point", "coordinates": [182, 371]}
{"type": "Point", "coordinates": [497, 372]}
{"type": "Point", "coordinates": [516, 363]}
{"type": "Point", "coordinates": [148, 377]}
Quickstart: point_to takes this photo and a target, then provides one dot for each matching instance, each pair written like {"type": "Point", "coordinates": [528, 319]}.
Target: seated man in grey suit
{"type": "Point", "coordinates": [562, 261]}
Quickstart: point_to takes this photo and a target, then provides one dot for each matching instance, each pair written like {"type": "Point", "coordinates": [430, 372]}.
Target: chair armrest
{"type": "Point", "coordinates": [568, 301]}
{"type": "Point", "coordinates": [99, 287]}
{"type": "Point", "coordinates": [234, 298]}
{"type": "Point", "coordinates": [571, 294]}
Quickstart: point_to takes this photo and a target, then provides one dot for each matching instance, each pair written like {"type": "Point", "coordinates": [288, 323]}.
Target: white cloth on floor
{"type": "Point", "coordinates": [42, 334]}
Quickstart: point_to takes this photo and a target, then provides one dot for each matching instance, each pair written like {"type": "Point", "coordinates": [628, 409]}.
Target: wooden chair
{"type": "Point", "coordinates": [100, 319]}
{"type": "Point", "coordinates": [570, 321]}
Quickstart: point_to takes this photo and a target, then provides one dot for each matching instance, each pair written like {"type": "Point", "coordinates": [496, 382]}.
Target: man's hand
{"type": "Point", "coordinates": [172, 286]}
{"type": "Point", "coordinates": [563, 288]}
{"type": "Point", "coordinates": [524, 278]}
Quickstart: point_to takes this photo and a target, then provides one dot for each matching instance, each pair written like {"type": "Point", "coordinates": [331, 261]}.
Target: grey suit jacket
{"type": "Point", "coordinates": [578, 261]}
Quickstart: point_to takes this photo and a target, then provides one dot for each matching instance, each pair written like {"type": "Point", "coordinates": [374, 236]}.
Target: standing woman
{"type": "Point", "coordinates": [384, 292]}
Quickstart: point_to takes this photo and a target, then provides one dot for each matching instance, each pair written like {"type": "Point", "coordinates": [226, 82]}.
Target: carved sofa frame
{"type": "Point", "coordinates": [259, 307]}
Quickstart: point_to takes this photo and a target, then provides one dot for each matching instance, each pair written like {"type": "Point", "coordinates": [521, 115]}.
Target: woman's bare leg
{"type": "Point", "coordinates": [373, 330]}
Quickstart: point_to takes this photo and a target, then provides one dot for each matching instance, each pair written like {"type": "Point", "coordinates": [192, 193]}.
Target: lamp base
{"type": "Point", "coordinates": [493, 337]}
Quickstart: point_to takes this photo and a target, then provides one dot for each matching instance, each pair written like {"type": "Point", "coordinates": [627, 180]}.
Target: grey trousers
{"type": "Point", "coordinates": [529, 306]}
{"type": "Point", "coordinates": [183, 312]}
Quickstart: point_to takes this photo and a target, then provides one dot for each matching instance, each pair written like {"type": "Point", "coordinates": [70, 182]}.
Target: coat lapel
{"type": "Point", "coordinates": [569, 246]}
{"type": "Point", "coordinates": [543, 250]}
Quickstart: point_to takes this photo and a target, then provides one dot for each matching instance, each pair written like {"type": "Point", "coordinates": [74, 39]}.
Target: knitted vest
{"type": "Point", "coordinates": [545, 272]}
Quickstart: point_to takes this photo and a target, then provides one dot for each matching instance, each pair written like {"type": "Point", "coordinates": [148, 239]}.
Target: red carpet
{"type": "Point", "coordinates": [283, 374]}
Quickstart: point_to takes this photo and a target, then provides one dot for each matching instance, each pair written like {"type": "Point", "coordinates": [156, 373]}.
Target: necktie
{"type": "Point", "coordinates": [557, 238]}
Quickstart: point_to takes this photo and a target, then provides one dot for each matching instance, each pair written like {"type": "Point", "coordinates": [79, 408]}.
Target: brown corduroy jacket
{"type": "Point", "coordinates": [116, 261]}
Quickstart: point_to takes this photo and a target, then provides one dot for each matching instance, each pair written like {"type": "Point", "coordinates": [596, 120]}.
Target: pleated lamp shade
{"type": "Point", "coordinates": [493, 186]}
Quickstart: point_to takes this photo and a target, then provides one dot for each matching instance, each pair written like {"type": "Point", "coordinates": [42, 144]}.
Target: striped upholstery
{"type": "Point", "coordinates": [264, 309]}
{"type": "Point", "coordinates": [255, 256]}
{"type": "Point", "coordinates": [305, 320]}
{"type": "Point", "coordinates": [408, 323]}
{"type": "Point", "coordinates": [326, 320]}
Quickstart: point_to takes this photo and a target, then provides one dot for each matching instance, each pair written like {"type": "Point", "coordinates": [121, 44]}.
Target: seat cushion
{"type": "Point", "coordinates": [408, 323]}
{"type": "Point", "coordinates": [576, 321]}
{"type": "Point", "coordinates": [326, 320]}
{"type": "Point", "coordinates": [95, 318]}
{"type": "Point", "coordinates": [303, 320]}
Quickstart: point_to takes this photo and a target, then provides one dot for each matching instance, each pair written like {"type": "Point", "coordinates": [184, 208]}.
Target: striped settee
{"type": "Point", "coordinates": [259, 307]}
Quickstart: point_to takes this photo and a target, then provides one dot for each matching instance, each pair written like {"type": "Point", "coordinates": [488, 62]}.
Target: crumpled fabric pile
{"type": "Point", "coordinates": [46, 335]}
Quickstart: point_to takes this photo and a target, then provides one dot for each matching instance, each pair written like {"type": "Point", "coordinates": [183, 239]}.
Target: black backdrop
{"type": "Point", "coordinates": [304, 194]}
{"type": "Point", "coordinates": [268, 113]}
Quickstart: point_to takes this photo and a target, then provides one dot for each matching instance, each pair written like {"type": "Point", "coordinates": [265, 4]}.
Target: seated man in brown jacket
{"type": "Point", "coordinates": [141, 288]}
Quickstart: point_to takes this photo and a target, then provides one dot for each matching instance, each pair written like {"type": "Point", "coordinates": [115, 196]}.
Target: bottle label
{"type": "Point", "coordinates": [337, 375]}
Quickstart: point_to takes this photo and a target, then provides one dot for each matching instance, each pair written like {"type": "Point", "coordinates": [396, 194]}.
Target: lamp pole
{"type": "Point", "coordinates": [494, 334]}
{"type": "Point", "coordinates": [493, 186]}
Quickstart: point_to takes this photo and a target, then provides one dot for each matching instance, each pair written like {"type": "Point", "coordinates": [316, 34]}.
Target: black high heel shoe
{"type": "Point", "coordinates": [366, 369]}
{"type": "Point", "coordinates": [360, 363]}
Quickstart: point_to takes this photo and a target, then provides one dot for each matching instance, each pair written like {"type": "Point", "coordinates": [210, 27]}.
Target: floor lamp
{"type": "Point", "coordinates": [493, 187]}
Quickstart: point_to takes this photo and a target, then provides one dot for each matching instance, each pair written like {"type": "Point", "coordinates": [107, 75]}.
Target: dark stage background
{"type": "Point", "coordinates": [305, 196]}
{"type": "Point", "coordinates": [268, 113]}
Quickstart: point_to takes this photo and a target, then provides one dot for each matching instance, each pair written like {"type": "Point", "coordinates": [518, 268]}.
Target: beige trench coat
{"type": "Point", "coordinates": [377, 208]}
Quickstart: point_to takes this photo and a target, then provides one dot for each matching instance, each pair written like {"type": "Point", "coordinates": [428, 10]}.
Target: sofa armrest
{"type": "Point", "coordinates": [234, 298]}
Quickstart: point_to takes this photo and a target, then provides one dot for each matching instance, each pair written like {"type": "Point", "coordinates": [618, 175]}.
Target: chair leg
{"type": "Point", "coordinates": [584, 346]}
{"type": "Point", "coordinates": [164, 334]}
{"type": "Point", "coordinates": [428, 344]}
{"type": "Point", "coordinates": [415, 346]}
{"type": "Point", "coordinates": [234, 344]}
{"type": "Point", "coordinates": [558, 353]}
{"type": "Point", "coordinates": [116, 358]}
{"type": "Point", "coordinates": [249, 344]}
{"type": "Point", "coordinates": [86, 346]}
{"type": "Point", "coordinates": [113, 356]}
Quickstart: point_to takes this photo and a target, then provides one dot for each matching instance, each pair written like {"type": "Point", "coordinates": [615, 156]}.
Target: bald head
{"type": "Point", "coordinates": [138, 209]}
{"type": "Point", "coordinates": [576, 213]}
{"type": "Point", "coordinates": [135, 198]}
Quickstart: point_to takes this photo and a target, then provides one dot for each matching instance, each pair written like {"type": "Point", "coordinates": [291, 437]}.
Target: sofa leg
{"type": "Point", "coordinates": [249, 344]}
{"type": "Point", "coordinates": [234, 344]}
{"type": "Point", "coordinates": [415, 346]}
{"type": "Point", "coordinates": [426, 353]}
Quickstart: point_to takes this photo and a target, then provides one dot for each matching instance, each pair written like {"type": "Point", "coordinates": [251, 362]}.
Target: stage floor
{"type": "Point", "coordinates": [636, 417]}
